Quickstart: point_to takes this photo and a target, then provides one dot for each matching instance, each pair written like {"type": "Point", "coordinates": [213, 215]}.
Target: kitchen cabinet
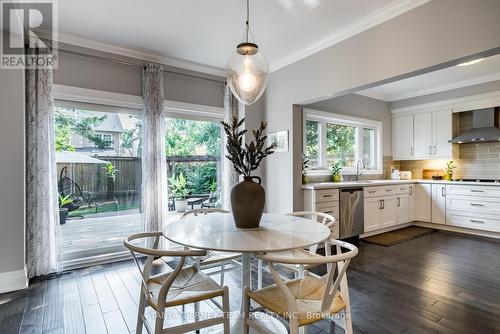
{"type": "Point", "coordinates": [441, 134]}
{"type": "Point", "coordinates": [380, 212]}
{"type": "Point", "coordinates": [326, 201]}
{"type": "Point", "coordinates": [403, 208]}
{"type": "Point", "coordinates": [422, 203]}
{"type": "Point", "coordinates": [438, 203]}
{"type": "Point", "coordinates": [403, 131]}
{"type": "Point", "coordinates": [423, 135]}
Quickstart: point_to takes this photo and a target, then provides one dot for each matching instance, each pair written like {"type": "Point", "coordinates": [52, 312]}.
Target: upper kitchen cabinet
{"type": "Point", "coordinates": [422, 135]}
{"type": "Point", "coordinates": [403, 131]}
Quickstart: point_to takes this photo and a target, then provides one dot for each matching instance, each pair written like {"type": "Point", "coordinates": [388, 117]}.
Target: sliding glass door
{"type": "Point", "coordinates": [99, 178]}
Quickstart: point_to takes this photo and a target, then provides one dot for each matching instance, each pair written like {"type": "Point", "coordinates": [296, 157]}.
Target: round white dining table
{"type": "Point", "coordinates": [217, 232]}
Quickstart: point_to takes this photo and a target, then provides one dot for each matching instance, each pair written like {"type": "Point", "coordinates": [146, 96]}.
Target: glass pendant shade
{"type": "Point", "coordinates": [247, 72]}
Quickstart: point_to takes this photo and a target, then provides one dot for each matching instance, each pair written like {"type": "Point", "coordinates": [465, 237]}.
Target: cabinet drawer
{"type": "Point", "coordinates": [327, 195]}
{"type": "Point", "coordinates": [476, 191]}
{"type": "Point", "coordinates": [402, 188]}
{"type": "Point", "coordinates": [486, 223]}
{"type": "Point", "coordinates": [379, 191]}
{"type": "Point", "coordinates": [479, 205]}
{"type": "Point", "coordinates": [331, 208]}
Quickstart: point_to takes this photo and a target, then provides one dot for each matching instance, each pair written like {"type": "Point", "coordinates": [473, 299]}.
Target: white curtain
{"type": "Point", "coordinates": [229, 176]}
{"type": "Point", "coordinates": [43, 255]}
{"type": "Point", "coordinates": [154, 164]}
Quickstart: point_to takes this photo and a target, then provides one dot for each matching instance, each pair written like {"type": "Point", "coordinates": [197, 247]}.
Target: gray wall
{"type": "Point", "coordinates": [12, 196]}
{"type": "Point", "coordinates": [364, 107]}
{"type": "Point", "coordinates": [86, 72]}
{"type": "Point", "coordinates": [429, 37]}
{"type": "Point", "coordinates": [450, 94]}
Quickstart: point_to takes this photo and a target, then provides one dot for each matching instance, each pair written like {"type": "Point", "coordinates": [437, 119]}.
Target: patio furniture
{"type": "Point", "coordinates": [195, 201]}
{"type": "Point", "coordinates": [215, 258]}
{"type": "Point", "coordinates": [183, 285]}
{"type": "Point", "coordinates": [298, 269]}
{"type": "Point", "coordinates": [218, 232]}
{"type": "Point", "coordinates": [213, 201]}
{"type": "Point", "coordinates": [308, 299]}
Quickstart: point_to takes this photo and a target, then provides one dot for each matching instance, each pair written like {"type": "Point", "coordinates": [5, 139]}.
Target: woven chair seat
{"type": "Point", "coordinates": [308, 292]}
{"type": "Point", "coordinates": [188, 287]}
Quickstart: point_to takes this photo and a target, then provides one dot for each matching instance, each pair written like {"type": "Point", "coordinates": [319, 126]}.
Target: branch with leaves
{"type": "Point", "coordinates": [246, 157]}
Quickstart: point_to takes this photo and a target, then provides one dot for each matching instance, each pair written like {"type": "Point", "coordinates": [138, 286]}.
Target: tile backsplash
{"type": "Point", "coordinates": [475, 161]}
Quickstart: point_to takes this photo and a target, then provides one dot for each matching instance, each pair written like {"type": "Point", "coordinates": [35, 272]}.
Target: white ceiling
{"type": "Point", "coordinates": [438, 81]}
{"type": "Point", "coordinates": [206, 32]}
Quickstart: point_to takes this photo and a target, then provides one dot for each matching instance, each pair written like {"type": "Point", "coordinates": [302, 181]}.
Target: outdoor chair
{"type": "Point", "coordinates": [181, 286]}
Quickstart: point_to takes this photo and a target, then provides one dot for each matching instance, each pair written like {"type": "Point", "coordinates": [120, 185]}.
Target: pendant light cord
{"type": "Point", "coordinates": [248, 21]}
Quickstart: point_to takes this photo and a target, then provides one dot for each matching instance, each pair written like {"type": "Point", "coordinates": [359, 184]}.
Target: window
{"type": "Point", "coordinates": [330, 137]}
{"type": "Point", "coordinates": [99, 179]}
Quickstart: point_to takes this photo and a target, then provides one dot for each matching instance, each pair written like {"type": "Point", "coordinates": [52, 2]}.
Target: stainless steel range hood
{"type": "Point", "coordinates": [484, 128]}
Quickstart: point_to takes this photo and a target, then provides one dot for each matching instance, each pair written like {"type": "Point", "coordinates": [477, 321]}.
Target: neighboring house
{"type": "Point", "coordinates": [111, 130]}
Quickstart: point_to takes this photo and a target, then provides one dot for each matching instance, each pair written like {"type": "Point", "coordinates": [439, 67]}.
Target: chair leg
{"type": "Point", "coordinates": [197, 314]}
{"type": "Point", "coordinates": [159, 321]}
{"type": "Point", "coordinates": [225, 309]}
{"type": "Point", "coordinates": [142, 306]}
{"type": "Point", "coordinates": [246, 311]}
{"type": "Point", "coordinates": [301, 271]}
{"type": "Point", "coordinates": [259, 274]}
{"type": "Point", "coordinates": [303, 330]}
{"type": "Point", "coordinates": [294, 325]}
{"type": "Point", "coordinates": [222, 268]}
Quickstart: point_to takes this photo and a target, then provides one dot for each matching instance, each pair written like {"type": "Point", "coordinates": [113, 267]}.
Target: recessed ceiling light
{"type": "Point", "coordinates": [467, 63]}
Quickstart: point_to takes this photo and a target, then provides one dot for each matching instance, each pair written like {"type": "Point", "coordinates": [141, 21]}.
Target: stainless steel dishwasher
{"type": "Point", "coordinates": [351, 212]}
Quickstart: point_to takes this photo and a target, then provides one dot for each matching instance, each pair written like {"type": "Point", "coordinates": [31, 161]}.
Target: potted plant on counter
{"type": "Point", "coordinates": [179, 190]}
{"type": "Point", "coordinates": [449, 170]}
{"type": "Point", "coordinates": [64, 201]}
{"type": "Point", "coordinates": [336, 169]}
{"type": "Point", "coordinates": [247, 197]}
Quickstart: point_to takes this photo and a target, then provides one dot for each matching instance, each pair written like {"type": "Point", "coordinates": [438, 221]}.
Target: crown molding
{"type": "Point", "coordinates": [373, 95]}
{"type": "Point", "coordinates": [369, 21]}
{"type": "Point", "coordinates": [170, 61]}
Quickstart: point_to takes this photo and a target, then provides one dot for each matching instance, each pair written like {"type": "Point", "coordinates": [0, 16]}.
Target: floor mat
{"type": "Point", "coordinates": [392, 238]}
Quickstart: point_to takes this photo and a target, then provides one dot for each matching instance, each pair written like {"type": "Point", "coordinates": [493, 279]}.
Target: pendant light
{"type": "Point", "coordinates": [247, 69]}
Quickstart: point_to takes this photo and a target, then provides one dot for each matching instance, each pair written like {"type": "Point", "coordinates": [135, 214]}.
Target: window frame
{"type": "Point", "coordinates": [323, 118]}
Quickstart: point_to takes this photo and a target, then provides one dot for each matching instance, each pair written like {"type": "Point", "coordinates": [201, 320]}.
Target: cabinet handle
{"type": "Point", "coordinates": [430, 150]}
{"type": "Point", "coordinates": [476, 191]}
{"type": "Point", "coordinates": [399, 201]}
{"type": "Point", "coordinates": [327, 195]}
{"type": "Point", "coordinates": [476, 204]}
{"type": "Point", "coordinates": [411, 190]}
{"type": "Point", "coordinates": [435, 150]}
{"type": "Point", "coordinates": [328, 211]}
{"type": "Point", "coordinates": [380, 205]}
{"type": "Point", "coordinates": [443, 192]}
{"type": "Point", "coordinates": [476, 221]}
{"type": "Point", "coordinates": [372, 191]}
{"type": "Point", "coordinates": [383, 204]}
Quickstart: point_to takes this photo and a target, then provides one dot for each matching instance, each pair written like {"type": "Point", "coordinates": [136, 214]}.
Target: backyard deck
{"type": "Point", "coordinates": [101, 230]}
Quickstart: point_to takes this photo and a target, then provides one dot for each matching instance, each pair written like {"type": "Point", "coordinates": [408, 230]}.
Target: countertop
{"type": "Point", "coordinates": [370, 183]}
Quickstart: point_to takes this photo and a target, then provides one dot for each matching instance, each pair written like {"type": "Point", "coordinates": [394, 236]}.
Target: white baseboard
{"type": "Point", "coordinates": [458, 229]}
{"type": "Point", "coordinates": [13, 280]}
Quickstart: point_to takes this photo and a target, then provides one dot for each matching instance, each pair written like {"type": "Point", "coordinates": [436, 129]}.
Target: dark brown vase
{"type": "Point", "coordinates": [247, 202]}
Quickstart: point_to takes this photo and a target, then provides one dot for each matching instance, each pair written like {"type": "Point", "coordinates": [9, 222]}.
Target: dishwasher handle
{"type": "Point", "coordinates": [351, 190]}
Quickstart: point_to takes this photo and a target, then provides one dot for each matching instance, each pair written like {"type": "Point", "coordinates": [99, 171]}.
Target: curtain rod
{"type": "Point", "coordinates": [129, 64]}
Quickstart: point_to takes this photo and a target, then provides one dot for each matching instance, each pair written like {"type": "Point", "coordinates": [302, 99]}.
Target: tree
{"type": "Point", "coordinates": [340, 142]}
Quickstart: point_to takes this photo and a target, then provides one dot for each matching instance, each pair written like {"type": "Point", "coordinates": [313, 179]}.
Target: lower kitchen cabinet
{"type": "Point", "coordinates": [438, 203]}
{"type": "Point", "coordinates": [380, 212]}
{"type": "Point", "coordinates": [403, 208]}
{"type": "Point", "coordinates": [422, 202]}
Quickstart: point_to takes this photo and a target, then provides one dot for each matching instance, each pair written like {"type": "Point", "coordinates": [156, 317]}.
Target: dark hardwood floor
{"type": "Point", "coordinates": [439, 283]}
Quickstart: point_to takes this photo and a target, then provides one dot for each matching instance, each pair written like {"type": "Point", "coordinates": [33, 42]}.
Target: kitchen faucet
{"type": "Point", "coordinates": [358, 173]}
